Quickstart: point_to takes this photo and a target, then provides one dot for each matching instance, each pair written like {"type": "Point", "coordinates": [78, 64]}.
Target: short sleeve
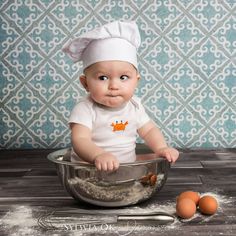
{"type": "Point", "coordinates": [82, 114]}
{"type": "Point", "coordinates": [142, 116]}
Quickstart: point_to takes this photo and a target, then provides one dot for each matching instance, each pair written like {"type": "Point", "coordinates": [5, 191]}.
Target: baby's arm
{"type": "Point", "coordinates": [86, 149]}
{"type": "Point", "coordinates": [156, 141]}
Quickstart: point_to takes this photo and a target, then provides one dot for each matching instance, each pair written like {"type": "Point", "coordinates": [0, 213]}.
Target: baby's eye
{"type": "Point", "coordinates": [124, 77]}
{"type": "Point", "coordinates": [102, 77]}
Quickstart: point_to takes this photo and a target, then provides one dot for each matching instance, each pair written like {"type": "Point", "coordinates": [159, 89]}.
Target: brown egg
{"type": "Point", "coordinates": [208, 205]}
{"type": "Point", "coordinates": [191, 195]}
{"type": "Point", "coordinates": [185, 208]}
{"type": "Point", "coordinates": [153, 180]}
{"type": "Point", "coordinates": [144, 180]}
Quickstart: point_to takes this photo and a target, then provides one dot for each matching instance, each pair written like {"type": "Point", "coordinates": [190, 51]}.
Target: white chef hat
{"type": "Point", "coordinates": [114, 41]}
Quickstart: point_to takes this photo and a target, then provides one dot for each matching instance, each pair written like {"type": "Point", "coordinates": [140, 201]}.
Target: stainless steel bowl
{"type": "Point", "coordinates": [130, 184]}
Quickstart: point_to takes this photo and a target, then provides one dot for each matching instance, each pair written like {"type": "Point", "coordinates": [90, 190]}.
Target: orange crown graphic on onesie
{"type": "Point", "coordinates": [119, 126]}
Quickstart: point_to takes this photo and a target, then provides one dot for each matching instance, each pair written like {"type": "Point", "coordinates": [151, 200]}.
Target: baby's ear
{"type": "Point", "coordinates": [83, 81]}
{"type": "Point", "coordinates": [138, 77]}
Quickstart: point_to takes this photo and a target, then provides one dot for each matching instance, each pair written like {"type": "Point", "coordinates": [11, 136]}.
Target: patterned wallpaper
{"type": "Point", "coordinates": [187, 62]}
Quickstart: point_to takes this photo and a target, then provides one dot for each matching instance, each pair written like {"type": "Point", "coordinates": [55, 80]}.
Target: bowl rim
{"type": "Point", "coordinates": [54, 156]}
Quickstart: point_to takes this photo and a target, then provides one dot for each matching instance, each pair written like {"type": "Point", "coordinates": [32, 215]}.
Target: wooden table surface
{"type": "Point", "coordinates": [30, 191]}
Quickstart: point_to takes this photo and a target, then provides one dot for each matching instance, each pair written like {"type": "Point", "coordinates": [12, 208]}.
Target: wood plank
{"type": "Point", "coordinates": [13, 172]}
{"type": "Point", "coordinates": [41, 172]}
{"type": "Point", "coordinates": [219, 163]}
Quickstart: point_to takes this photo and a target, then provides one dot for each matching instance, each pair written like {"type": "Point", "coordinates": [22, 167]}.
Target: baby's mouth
{"type": "Point", "coordinates": [112, 96]}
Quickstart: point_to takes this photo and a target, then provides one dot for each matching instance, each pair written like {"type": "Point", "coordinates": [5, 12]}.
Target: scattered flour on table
{"type": "Point", "coordinates": [170, 208]}
{"type": "Point", "coordinates": [20, 220]}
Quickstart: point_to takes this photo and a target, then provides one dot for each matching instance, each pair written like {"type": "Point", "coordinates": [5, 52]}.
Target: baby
{"type": "Point", "coordinates": [104, 125]}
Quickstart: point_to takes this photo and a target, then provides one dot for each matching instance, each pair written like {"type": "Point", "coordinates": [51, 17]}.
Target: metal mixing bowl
{"type": "Point", "coordinates": [130, 184]}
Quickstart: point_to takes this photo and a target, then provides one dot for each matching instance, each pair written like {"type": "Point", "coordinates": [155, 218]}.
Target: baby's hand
{"type": "Point", "coordinates": [106, 162]}
{"type": "Point", "coordinates": [171, 154]}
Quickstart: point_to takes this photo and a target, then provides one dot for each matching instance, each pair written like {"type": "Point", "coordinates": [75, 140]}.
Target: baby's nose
{"type": "Point", "coordinates": [114, 84]}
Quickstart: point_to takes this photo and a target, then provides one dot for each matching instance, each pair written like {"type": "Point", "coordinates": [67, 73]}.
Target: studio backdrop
{"type": "Point", "coordinates": [187, 62]}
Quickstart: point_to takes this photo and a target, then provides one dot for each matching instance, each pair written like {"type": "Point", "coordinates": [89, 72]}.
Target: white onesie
{"type": "Point", "coordinates": [113, 129]}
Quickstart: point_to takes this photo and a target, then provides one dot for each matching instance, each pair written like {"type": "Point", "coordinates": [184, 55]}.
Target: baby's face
{"type": "Point", "coordinates": [110, 83]}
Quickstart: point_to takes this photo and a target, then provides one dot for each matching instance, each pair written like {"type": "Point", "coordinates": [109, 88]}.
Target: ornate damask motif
{"type": "Point", "coordinates": [47, 35]}
{"type": "Point", "coordinates": [162, 13]}
{"type": "Point", "coordinates": [208, 13]}
{"type": "Point", "coordinates": [8, 35]}
{"type": "Point", "coordinates": [162, 58]}
{"type": "Point", "coordinates": [162, 104]}
{"type": "Point", "coordinates": [23, 13]}
{"type": "Point", "coordinates": [187, 64]}
{"type": "Point", "coordinates": [226, 35]}
{"type": "Point", "coordinates": [208, 58]}
{"type": "Point", "coordinates": [70, 13]}
{"type": "Point", "coordinates": [185, 127]}
{"type": "Point", "coordinates": [24, 58]}
{"type": "Point", "coordinates": [185, 82]}
{"type": "Point", "coordinates": [225, 83]}
{"type": "Point", "coordinates": [185, 35]}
